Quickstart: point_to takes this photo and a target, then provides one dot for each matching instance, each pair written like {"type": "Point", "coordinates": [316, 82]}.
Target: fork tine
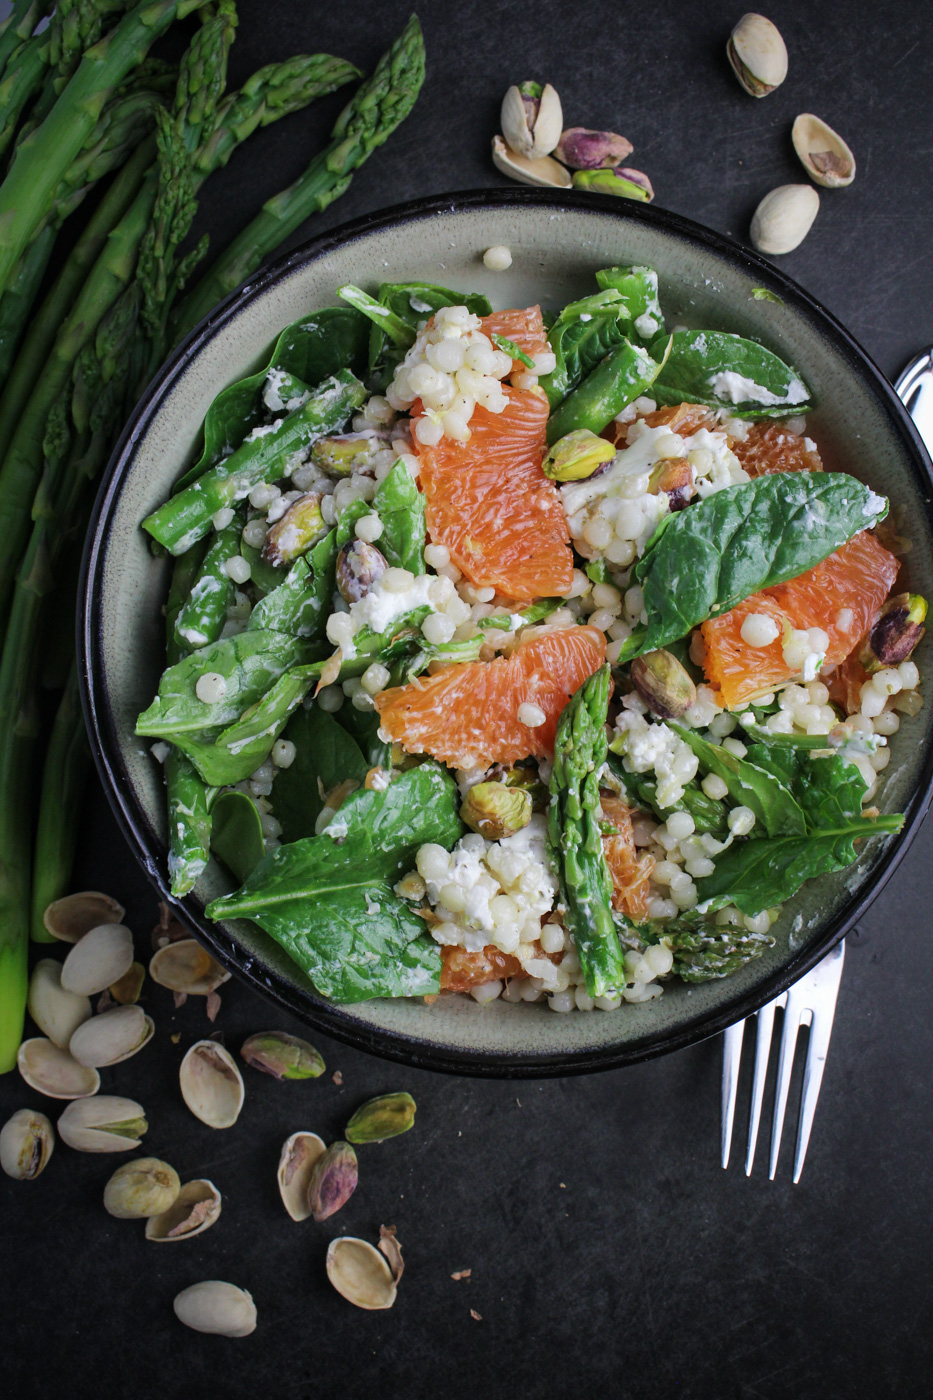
{"type": "Point", "coordinates": [731, 1058]}
{"type": "Point", "coordinates": [794, 1011]}
{"type": "Point", "coordinates": [821, 1029]}
{"type": "Point", "coordinates": [765, 1023]}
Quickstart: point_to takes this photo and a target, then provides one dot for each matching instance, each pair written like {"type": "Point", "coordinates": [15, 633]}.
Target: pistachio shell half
{"type": "Point", "coordinates": [784, 218]}
{"type": "Point", "coordinates": [758, 55]}
{"type": "Point", "coordinates": [111, 1037]}
{"type": "Point", "coordinates": [194, 1210]}
{"type": "Point", "coordinates": [213, 1306]}
{"type": "Point", "coordinates": [75, 915]}
{"type": "Point", "coordinates": [334, 1177]}
{"type": "Point", "coordinates": [58, 1013]}
{"type": "Point", "coordinates": [539, 171]}
{"type": "Point", "coordinates": [108, 1123]}
{"type": "Point", "coordinates": [184, 966]}
{"type": "Point", "coordinates": [27, 1141]}
{"type": "Point", "coordinates": [146, 1186]}
{"type": "Point", "coordinates": [50, 1070]}
{"type": "Point", "coordinates": [299, 1154]}
{"type": "Point", "coordinates": [531, 119]}
{"type": "Point", "coordinates": [822, 151]}
{"type": "Point", "coordinates": [211, 1084]}
{"type": "Point", "coordinates": [127, 989]}
{"type": "Point", "coordinates": [386, 1116]}
{"type": "Point", "coordinates": [360, 1273]}
{"type": "Point", "coordinates": [282, 1055]}
{"type": "Point", "coordinates": [101, 957]}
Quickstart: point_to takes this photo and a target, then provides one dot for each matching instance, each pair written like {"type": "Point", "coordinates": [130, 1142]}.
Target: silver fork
{"type": "Point", "coordinates": [809, 1002]}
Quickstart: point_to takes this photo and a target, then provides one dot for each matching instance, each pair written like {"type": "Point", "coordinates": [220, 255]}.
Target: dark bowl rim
{"type": "Point", "coordinates": [331, 1019]}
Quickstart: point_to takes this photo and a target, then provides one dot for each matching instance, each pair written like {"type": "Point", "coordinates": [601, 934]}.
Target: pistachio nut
{"type": "Point", "coordinates": [194, 1210]}
{"type": "Point", "coordinates": [582, 149]}
{"type": "Point", "coordinates": [214, 1306]}
{"type": "Point", "coordinates": [345, 453]}
{"type": "Point", "coordinates": [107, 1123]}
{"type": "Point", "coordinates": [630, 184]}
{"type": "Point", "coordinates": [577, 455]}
{"type": "Point", "coordinates": [541, 170]}
{"type": "Point", "coordinates": [359, 565]}
{"type": "Point", "coordinates": [675, 478]}
{"type": "Point", "coordinates": [111, 1037]}
{"type": "Point", "coordinates": [57, 1012]}
{"type": "Point", "coordinates": [143, 1187]}
{"type": "Point", "coordinates": [127, 988]}
{"type": "Point", "coordinates": [52, 1071]}
{"type": "Point", "coordinates": [184, 966]}
{"type": "Point", "coordinates": [360, 1273]}
{"type": "Point", "coordinates": [332, 1180]}
{"type": "Point", "coordinates": [296, 531]}
{"type": "Point", "coordinates": [27, 1141]}
{"type": "Point", "coordinates": [822, 151]}
{"type": "Point", "coordinates": [531, 119]}
{"type": "Point", "coordinates": [297, 1159]}
{"type": "Point", "coordinates": [495, 810]}
{"type": "Point", "coordinates": [757, 54]}
{"type": "Point", "coordinates": [784, 218]}
{"type": "Point", "coordinates": [282, 1055]}
{"type": "Point", "coordinates": [211, 1084]}
{"type": "Point", "coordinates": [663, 684]}
{"type": "Point", "coordinates": [896, 632]}
{"type": "Point", "coordinates": [101, 957]}
{"type": "Point", "coordinates": [71, 917]}
{"type": "Point", "coordinates": [386, 1116]}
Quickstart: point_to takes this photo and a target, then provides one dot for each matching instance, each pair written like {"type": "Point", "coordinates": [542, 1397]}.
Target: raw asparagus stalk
{"type": "Point", "coordinates": [64, 777]}
{"type": "Point", "coordinates": [25, 70]}
{"type": "Point", "coordinates": [379, 105]}
{"type": "Point", "coordinates": [19, 24]}
{"type": "Point", "coordinates": [17, 300]}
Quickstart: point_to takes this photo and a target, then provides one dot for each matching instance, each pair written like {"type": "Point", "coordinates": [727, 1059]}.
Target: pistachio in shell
{"type": "Point", "coordinates": [194, 1210]}
{"type": "Point", "coordinates": [52, 1071]}
{"type": "Point", "coordinates": [27, 1141]}
{"type": "Point", "coordinates": [141, 1188]}
{"type": "Point", "coordinates": [583, 149]}
{"type": "Point", "coordinates": [623, 181]}
{"type": "Point", "coordinates": [344, 453]}
{"type": "Point", "coordinates": [211, 1084]}
{"type": "Point", "coordinates": [359, 565]}
{"type": "Point", "coordinates": [101, 957]}
{"type": "Point", "coordinates": [822, 152]}
{"type": "Point", "coordinates": [895, 634]}
{"type": "Point", "coordinates": [532, 119]}
{"type": "Point", "coordinates": [57, 1012]}
{"type": "Point", "coordinates": [784, 218]}
{"type": "Point", "coordinates": [108, 1123]}
{"type": "Point", "coordinates": [663, 684]}
{"type": "Point", "coordinates": [577, 456]}
{"type": "Point", "coordinates": [758, 55]}
{"type": "Point", "coordinates": [540, 170]}
{"type": "Point", "coordinates": [360, 1273]}
{"type": "Point", "coordinates": [217, 1307]}
{"type": "Point", "coordinates": [333, 1180]}
{"type": "Point", "coordinates": [383, 1117]}
{"type": "Point", "coordinates": [74, 915]}
{"type": "Point", "coordinates": [282, 1055]}
{"type": "Point", "coordinates": [296, 1162]}
{"type": "Point", "coordinates": [126, 990]}
{"type": "Point", "coordinates": [296, 531]}
{"type": "Point", "coordinates": [111, 1037]}
{"type": "Point", "coordinates": [495, 810]}
{"type": "Point", "coordinates": [184, 966]}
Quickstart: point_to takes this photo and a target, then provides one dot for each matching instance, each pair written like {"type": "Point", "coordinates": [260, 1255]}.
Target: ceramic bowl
{"type": "Point", "coordinates": [558, 240]}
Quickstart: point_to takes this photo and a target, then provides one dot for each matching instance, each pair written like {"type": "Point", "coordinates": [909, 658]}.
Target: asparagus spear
{"type": "Point", "coordinates": [19, 24]}
{"type": "Point", "coordinates": [17, 300]}
{"type": "Point", "coordinates": [64, 775]}
{"type": "Point", "coordinates": [375, 110]}
{"type": "Point", "coordinates": [25, 70]}
{"type": "Point", "coordinates": [574, 837]}
{"type": "Point", "coordinates": [202, 615]}
{"type": "Point", "coordinates": [28, 191]}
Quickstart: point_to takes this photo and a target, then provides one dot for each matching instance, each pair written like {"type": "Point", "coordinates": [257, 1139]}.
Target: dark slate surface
{"type": "Point", "coordinates": [608, 1249]}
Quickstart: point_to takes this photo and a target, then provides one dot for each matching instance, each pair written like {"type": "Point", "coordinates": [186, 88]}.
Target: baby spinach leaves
{"type": "Point", "coordinates": [704, 560]}
{"type": "Point", "coordinates": [626, 372]}
{"type": "Point", "coordinates": [329, 899]}
{"type": "Point", "coordinates": [400, 506]}
{"type": "Point", "coordinates": [236, 835]}
{"type": "Point", "coordinates": [325, 755]}
{"type": "Point", "coordinates": [723, 370]}
{"type": "Point", "coordinates": [769, 797]}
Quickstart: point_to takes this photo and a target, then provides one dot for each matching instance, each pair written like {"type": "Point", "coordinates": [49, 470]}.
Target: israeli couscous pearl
{"type": "Point", "coordinates": [741, 820]}
{"type": "Point", "coordinates": [438, 629]}
{"type": "Point", "coordinates": [330, 698]}
{"type": "Point", "coordinates": [759, 630]}
{"type": "Point", "coordinates": [222, 518]}
{"type": "Point", "coordinates": [375, 678]}
{"type": "Point", "coordinates": [497, 258]}
{"type": "Point", "coordinates": [211, 688]}
{"type": "Point", "coordinates": [909, 674]}
{"type": "Point", "coordinates": [238, 569]}
{"type": "Point", "coordinates": [283, 753]}
{"type": "Point", "coordinates": [680, 825]}
{"type": "Point", "coordinates": [369, 528]}
{"type": "Point", "coordinates": [714, 786]}
{"type": "Point", "coordinates": [531, 715]}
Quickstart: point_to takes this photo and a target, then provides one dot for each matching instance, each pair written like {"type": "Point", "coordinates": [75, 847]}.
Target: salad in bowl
{"type": "Point", "coordinates": [530, 654]}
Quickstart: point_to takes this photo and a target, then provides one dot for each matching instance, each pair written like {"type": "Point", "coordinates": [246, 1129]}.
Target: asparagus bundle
{"type": "Point", "coordinates": [81, 102]}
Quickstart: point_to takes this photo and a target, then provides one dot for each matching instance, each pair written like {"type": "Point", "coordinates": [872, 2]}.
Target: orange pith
{"type": "Point", "coordinates": [467, 715]}
{"type": "Point", "coordinates": [841, 596]}
{"type": "Point", "coordinates": [488, 500]}
{"type": "Point", "coordinates": [630, 872]}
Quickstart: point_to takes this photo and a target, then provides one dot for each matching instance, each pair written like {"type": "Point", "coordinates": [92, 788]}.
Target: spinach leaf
{"type": "Point", "coordinates": [400, 506]}
{"type": "Point", "coordinates": [311, 349]}
{"type": "Point", "coordinates": [346, 525]}
{"type": "Point", "coordinates": [300, 604]}
{"type": "Point", "coordinates": [363, 726]}
{"type": "Point", "coordinates": [638, 288]}
{"type": "Point", "coordinates": [413, 303]}
{"type": "Point", "coordinates": [708, 814]}
{"type": "Point", "coordinates": [325, 755]}
{"type": "Point", "coordinates": [329, 899]}
{"type": "Point", "coordinates": [766, 793]}
{"type": "Point", "coordinates": [723, 370]}
{"type": "Point", "coordinates": [236, 835]}
{"type": "Point", "coordinates": [583, 334]}
{"type": "Point", "coordinates": [230, 756]}
{"type": "Point", "coordinates": [627, 371]}
{"type": "Point", "coordinates": [703, 560]}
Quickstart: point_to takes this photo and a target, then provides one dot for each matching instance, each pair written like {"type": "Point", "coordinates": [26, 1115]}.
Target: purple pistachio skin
{"type": "Point", "coordinates": [334, 1178]}
{"type": "Point", "coordinates": [582, 149]}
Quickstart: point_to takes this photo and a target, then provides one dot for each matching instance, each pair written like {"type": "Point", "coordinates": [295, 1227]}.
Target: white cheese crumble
{"type": "Point", "coordinates": [736, 388]}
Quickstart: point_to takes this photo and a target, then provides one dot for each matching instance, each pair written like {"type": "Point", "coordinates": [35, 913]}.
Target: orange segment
{"type": "Point", "coordinates": [467, 716]}
{"type": "Point", "coordinates": [841, 595]}
{"type": "Point", "coordinates": [524, 326]}
{"type": "Point", "coordinates": [769, 447]}
{"type": "Point", "coordinates": [461, 970]}
{"type": "Point", "coordinates": [630, 873]}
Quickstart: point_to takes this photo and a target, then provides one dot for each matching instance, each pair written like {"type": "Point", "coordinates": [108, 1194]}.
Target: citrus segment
{"type": "Point", "coordinates": [845, 685]}
{"type": "Point", "coordinates": [841, 596]}
{"type": "Point", "coordinates": [630, 873]}
{"type": "Point", "coordinates": [467, 715]}
{"type": "Point", "coordinates": [461, 970]}
{"type": "Point", "coordinates": [525, 326]}
{"type": "Point", "coordinates": [769, 447]}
